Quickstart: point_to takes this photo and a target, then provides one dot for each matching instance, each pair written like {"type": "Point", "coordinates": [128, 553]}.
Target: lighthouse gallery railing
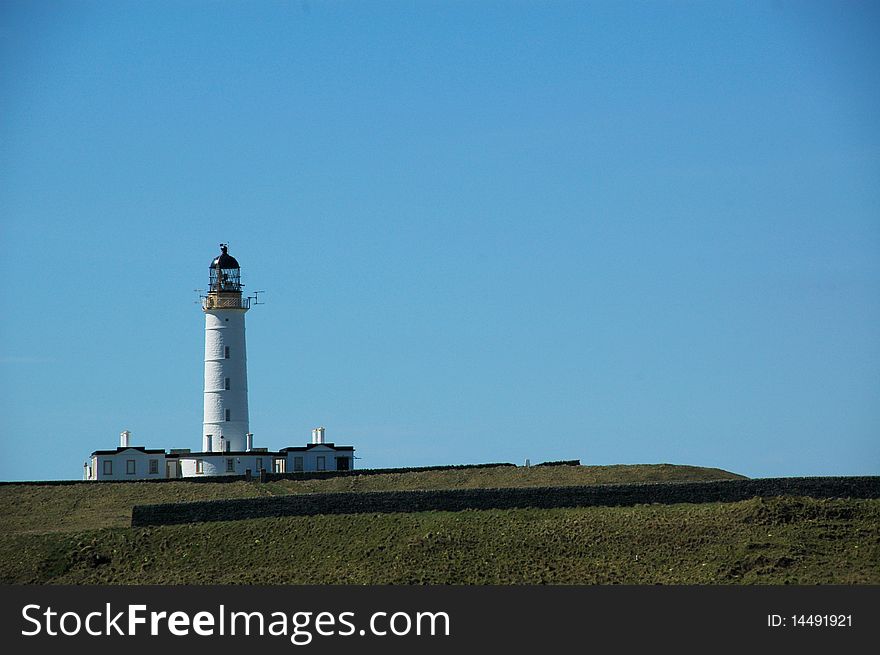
{"type": "Point", "coordinates": [213, 302]}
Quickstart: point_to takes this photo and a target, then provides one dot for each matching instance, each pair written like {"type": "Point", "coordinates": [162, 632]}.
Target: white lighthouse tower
{"type": "Point", "coordinates": [226, 391]}
{"type": "Point", "coordinates": [227, 444]}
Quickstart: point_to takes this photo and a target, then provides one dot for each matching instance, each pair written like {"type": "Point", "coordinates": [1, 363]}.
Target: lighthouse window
{"type": "Point", "coordinates": [226, 384]}
{"type": "Point", "coordinates": [227, 415]}
{"type": "Point", "coordinates": [129, 466]}
{"type": "Point", "coordinates": [226, 352]}
{"type": "Point", "coordinates": [108, 467]}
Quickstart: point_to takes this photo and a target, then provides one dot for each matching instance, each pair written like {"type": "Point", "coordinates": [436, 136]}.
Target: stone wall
{"type": "Point", "coordinates": [541, 497]}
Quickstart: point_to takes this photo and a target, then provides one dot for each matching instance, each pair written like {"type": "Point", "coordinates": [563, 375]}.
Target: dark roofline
{"type": "Point", "coordinates": [224, 453]}
{"type": "Point", "coordinates": [256, 453]}
{"type": "Point", "coordinates": [142, 449]}
{"type": "Point", "coordinates": [331, 446]}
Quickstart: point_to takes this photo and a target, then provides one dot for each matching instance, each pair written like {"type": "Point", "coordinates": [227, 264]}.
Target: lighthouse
{"type": "Point", "coordinates": [225, 426]}
{"type": "Point", "coordinates": [227, 444]}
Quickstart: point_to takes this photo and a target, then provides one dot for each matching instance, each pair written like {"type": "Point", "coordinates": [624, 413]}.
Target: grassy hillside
{"type": "Point", "coordinates": [781, 540]}
{"type": "Point", "coordinates": [38, 509]}
{"type": "Point", "coordinates": [78, 534]}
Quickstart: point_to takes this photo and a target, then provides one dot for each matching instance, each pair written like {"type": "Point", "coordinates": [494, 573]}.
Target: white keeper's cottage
{"type": "Point", "coordinates": [227, 443]}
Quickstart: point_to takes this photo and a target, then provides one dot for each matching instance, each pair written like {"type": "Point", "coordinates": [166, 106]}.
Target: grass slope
{"type": "Point", "coordinates": [77, 535]}
{"type": "Point", "coordinates": [38, 509]}
{"type": "Point", "coordinates": [781, 540]}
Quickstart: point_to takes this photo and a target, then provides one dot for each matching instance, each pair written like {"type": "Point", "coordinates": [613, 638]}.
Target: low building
{"type": "Point", "coordinates": [138, 463]}
{"type": "Point", "coordinates": [126, 463]}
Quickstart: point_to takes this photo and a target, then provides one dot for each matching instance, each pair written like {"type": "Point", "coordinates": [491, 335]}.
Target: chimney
{"type": "Point", "coordinates": [318, 435]}
{"type": "Point", "coordinates": [124, 439]}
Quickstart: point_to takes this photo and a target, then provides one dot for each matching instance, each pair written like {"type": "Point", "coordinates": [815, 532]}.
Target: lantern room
{"type": "Point", "coordinates": [225, 273]}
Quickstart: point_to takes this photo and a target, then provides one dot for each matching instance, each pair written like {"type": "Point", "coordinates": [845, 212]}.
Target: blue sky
{"type": "Point", "coordinates": [624, 232]}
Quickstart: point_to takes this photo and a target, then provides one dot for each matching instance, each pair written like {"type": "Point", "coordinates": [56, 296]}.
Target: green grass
{"type": "Point", "coordinates": [777, 541]}
{"type": "Point", "coordinates": [78, 534]}
{"type": "Point", "coordinates": [39, 509]}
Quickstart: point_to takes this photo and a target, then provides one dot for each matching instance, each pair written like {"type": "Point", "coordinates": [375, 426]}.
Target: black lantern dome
{"type": "Point", "coordinates": [225, 273]}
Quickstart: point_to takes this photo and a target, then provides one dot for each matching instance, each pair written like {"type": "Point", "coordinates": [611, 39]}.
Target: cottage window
{"type": "Point", "coordinates": [259, 465]}
{"type": "Point", "coordinates": [297, 464]}
{"type": "Point", "coordinates": [200, 466]}
{"type": "Point", "coordinates": [230, 465]}
{"type": "Point", "coordinates": [154, 467]}
{"type": "Point", "coordinates": [108, 467]}
{"type": "Point", "coordinates": [129, 467]}
{"type": "Point", "coordinates": [321, 465]}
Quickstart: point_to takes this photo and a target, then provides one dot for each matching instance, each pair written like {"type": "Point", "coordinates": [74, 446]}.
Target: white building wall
{"type": "Point", "coordinates": [212, 464]}
{"type": "Point", "coordinates": [224, 328]}
{"type": "Point", "coordinates": [119, 466]}
{"type": "Point", "coordinates": [310, 459]}
{"type": "Point", "coordinates": [216, 464]}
